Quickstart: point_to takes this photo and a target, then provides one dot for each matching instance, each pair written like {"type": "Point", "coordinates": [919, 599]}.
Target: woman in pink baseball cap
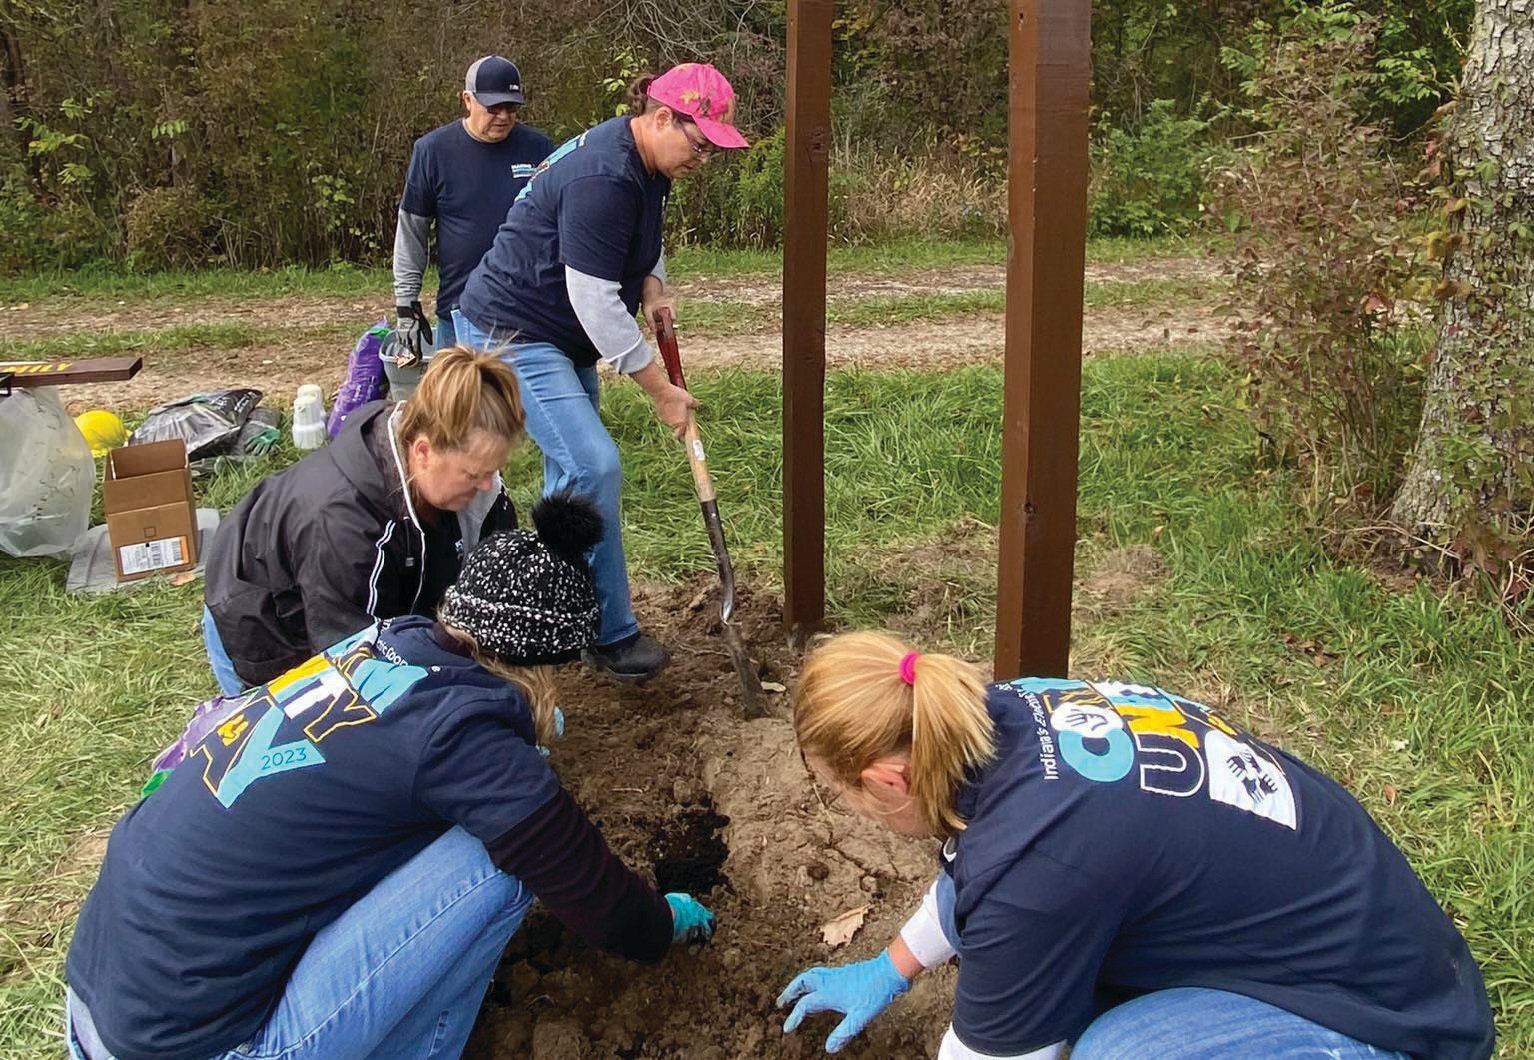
{"type": "Point", "coordinates": [578, 255]}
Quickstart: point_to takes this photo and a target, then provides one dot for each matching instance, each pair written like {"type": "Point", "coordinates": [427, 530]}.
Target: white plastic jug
{"type": "Point", "coordinates": [309, 417]}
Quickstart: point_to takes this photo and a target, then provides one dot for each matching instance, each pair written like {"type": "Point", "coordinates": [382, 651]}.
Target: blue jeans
{"type": "Point", "coordinates": [561, 404]}
{"type": "Point", "coordinates": [229, 682]}
{"type": "Point", "coordinates": [1191, 1023]}
{"type": "Point", "coordinates": [445, 336]}
{"type": "Point", "coordinates": [403, 972]}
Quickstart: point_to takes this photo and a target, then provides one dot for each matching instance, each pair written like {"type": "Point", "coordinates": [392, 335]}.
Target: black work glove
{"type": "Point", "coordinates": [413, 332]}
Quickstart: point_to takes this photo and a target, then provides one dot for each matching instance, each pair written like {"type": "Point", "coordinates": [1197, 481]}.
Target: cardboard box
{"type": "Point", "coordinates": [151, 520]}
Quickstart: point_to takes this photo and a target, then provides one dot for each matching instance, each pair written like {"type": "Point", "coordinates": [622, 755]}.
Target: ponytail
{"type": "Point", "coordinates": [462, 391]}
{"type": "Point", "coordinates": [639, 94]}
{"type": "Point", "coordinates": [854, 705]}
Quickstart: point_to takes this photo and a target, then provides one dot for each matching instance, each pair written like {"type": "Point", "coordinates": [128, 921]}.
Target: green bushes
{"type": "Point", "coordinates": [170, 228]}
{"type": "Point", "coordinates": [1148, 180]}
{"type": "Point", "coordinates": [1333, 287]}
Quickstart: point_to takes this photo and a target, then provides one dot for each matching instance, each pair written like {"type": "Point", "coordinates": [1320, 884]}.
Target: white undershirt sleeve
{"type": "Point", "coordinates": [610, 327]}
{"type": "Point", "coordinates": [923, 933]}
{"type": "Point", "coordinates": [953, 1049]}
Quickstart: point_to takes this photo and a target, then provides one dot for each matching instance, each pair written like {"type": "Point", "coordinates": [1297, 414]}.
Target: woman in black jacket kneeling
{"type": "Point", "coordinates": [374, 525]}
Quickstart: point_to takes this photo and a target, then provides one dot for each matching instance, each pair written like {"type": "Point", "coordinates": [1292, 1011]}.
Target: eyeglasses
{"type": "Point", "coordinates": [703, 150]}
{"type": "Point", "coordinates": [505, 108]}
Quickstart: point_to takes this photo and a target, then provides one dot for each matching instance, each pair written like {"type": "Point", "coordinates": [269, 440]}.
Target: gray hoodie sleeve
{"type": "Point", "coordinates": [410, 256]}
{"type": "Point", "coordinates": [609, 326]}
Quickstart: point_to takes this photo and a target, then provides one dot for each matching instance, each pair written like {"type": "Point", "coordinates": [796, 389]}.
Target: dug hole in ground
{"type": "Point", "coordinates": [704, 802]}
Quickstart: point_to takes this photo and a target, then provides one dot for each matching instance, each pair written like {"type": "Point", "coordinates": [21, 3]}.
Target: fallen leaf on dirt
{"type": "Point", "coordinates": [184, 577]}
{"type": "Point", "coordinates": [1391, 794]}
{"type": "Point", "coordinates": [773, 686]}
{"type": "Point", "coordinates": [839, 931]}
{"type": "Point", "coordinates": [696, 604]}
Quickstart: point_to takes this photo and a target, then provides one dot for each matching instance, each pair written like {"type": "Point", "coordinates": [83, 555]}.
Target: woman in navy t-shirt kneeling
{"type": "Point", "coordinates": [579, 253]}
{"type": "Point", "coordinates": [1124, 871]}
{"type": "Point", "coordinates": [334, 870]}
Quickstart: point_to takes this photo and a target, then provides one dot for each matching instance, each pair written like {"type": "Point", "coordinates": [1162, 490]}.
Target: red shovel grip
{"type": "Point", "coordinates": [665, 334]}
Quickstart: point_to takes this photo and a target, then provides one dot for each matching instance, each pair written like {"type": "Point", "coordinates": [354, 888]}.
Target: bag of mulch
{"type": "Point", "coordinates": [210, 423]}
{"type": "Point", "coordinates": [364, 377]}
{"type": "Point", "coordinates": [47, 475]}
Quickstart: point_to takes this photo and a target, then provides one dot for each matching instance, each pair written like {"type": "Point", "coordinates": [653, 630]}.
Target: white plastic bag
{"type": "Point", "coordinates": [47, 475]}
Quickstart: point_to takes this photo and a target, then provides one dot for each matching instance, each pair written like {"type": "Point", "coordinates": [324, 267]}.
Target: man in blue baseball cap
{"type": "Point", "coordinates": [464, 176]}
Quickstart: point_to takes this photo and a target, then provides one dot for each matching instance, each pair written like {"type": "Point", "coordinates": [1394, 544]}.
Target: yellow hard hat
{"type": "Point", "coordinates": [102, 430]}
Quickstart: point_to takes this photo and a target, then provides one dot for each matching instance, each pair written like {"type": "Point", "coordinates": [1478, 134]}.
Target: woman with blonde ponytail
{"type": "Point", "coordinates": [374, 525]}
{"type": "Point", "coordinates": [1125, 873]}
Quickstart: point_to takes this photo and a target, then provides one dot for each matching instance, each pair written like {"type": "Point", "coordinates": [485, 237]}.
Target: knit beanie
{"type": "Point", "coordinates": [529, 598]}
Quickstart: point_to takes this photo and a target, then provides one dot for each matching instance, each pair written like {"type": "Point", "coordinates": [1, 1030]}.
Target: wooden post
{"type": "Point", "coordinates": [807, 150]}
{"type": "Point", "coordinates": [1046, 260]}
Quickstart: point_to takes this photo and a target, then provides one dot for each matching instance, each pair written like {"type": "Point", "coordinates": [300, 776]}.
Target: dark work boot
{"type": "Point", "coordinates": [633, 660]}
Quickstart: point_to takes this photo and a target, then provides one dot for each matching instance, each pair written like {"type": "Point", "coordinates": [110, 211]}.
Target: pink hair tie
{"type": "Point", "coordinates": [908, 668]}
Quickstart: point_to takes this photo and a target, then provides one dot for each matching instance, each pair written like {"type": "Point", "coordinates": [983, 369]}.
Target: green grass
{"type": "Point", "coordinates": [179, 338]}
{"type": "Point", "coordinates": [683, 263]}
{"type": "Point", "coordinates": [1418, 700]}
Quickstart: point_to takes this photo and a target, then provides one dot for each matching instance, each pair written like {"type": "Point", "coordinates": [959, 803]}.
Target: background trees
{"type": "Point", "coordinates": [177, 132]}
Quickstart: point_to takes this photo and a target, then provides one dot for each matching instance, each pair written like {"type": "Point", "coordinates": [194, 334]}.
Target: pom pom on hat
{"type": "Point", "coordinates": [569, 526]}
{"type": "Point", "coordinates": [529, 598]}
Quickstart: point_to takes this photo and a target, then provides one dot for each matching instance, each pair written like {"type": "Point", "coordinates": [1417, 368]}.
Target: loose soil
{"type": "Point", "coordinates": [688, 793]}
{"type": "Point", "coordinates": [702, 801]}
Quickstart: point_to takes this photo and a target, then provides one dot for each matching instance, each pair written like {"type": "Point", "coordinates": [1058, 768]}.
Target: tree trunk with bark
{"type": "Point", "coordinates": [1472, 475]}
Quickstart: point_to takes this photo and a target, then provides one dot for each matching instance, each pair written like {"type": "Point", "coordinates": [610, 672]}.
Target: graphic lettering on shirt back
{"type": "Point", "coordinates": [348, 685]}
{"type": "Point", "coordinates": [1106, 731]}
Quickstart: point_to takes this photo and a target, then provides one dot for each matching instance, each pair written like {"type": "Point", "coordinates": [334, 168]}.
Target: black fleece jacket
{"type": "Point", "coordinates": [319, 550]}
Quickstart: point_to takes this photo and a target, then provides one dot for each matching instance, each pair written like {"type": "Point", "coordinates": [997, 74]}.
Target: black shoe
{"type": "Point", "coordinates": [632, 660]}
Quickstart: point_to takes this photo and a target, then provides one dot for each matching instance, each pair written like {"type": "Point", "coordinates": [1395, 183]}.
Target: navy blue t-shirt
{"type": "Point", "coordinates": [593, 206]}
{"type": "Point", "coordinates": [1126, 840]}
{"type": "Point", "coordinates": [467, 186]}
{"type": "Point", "coordinates": [326, 781]}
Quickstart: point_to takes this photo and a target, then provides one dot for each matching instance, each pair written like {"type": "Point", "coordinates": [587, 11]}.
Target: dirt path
{"type": "Point", "coordinates": [297, 355]}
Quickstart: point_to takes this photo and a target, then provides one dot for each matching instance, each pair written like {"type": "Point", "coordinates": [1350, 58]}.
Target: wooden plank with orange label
{"type": "Point", "coordinates": [58, 373]}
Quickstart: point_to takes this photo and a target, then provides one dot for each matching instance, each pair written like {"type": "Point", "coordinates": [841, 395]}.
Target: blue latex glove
{"type": "Point", "coordinates": [861, 991]}
{"type": "Point", "coordinates": [690, 922]}
{"type": "Point", "coordinates": [559, 730]}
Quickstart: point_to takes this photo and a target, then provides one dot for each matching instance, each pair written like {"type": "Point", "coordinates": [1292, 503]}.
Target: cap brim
{"type": "Point", "coordinates": [719, 134]}
{"type": "Point", "coordinates": [492, 99]}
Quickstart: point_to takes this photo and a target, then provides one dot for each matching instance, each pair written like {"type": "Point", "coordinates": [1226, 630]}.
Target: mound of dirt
{"type": "Point", "coordinates": [686, 791]}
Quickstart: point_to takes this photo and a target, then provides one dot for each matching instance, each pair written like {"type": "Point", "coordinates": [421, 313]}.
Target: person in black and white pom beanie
{"type": "Point", "coordinates": [430, 821]}
{"type": "Point", "coordinates": [528, 598]}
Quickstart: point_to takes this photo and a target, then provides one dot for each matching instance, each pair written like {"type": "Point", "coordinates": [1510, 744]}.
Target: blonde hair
{"type": "Point", "coordinates": [536, 683]}
{"type": "Point", "coordinates": [852, 707]}
{"type": "Point", "coordinates": [463, 390]}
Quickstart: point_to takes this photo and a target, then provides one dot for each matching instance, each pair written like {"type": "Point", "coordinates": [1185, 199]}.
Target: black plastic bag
{"type": "Point", "coordinates": [209, 423]}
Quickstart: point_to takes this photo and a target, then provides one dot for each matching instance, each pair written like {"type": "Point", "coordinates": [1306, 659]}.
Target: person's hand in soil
{"type": "Point", "coordinates": [861, 991]}
{"type": "Point", "coordinates": [691, 923]}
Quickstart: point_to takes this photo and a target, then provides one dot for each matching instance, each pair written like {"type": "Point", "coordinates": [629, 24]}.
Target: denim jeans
{"type": "Point", "coordinates": [1191, 1023]}
{"type": "Point", "coordinates": [561, 404]}
{"type": "Point", "coordinates": [229, 682]}
{"type": "Point", "coordinates": [403, 972]}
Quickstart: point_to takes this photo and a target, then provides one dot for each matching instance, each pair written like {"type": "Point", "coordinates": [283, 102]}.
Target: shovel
{"type": "Point", "coordinates": [755, 700]}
